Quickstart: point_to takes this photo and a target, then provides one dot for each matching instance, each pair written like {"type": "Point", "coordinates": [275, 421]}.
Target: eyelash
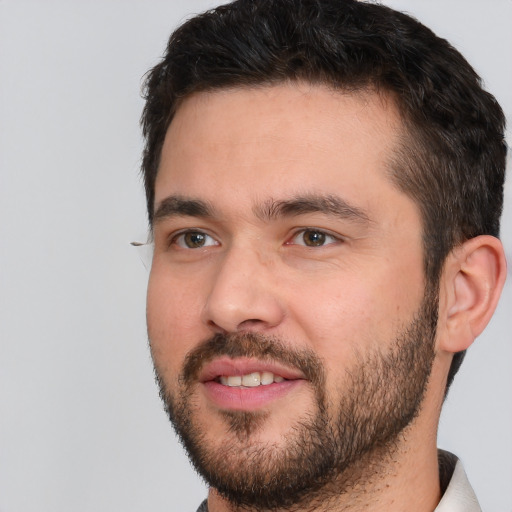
{"type": "Point", "coordinates": [182, 234]}
{"type": "Point", "coordinates": [325, 238]}
{"type": "Point", "coordinates": [325, 234]}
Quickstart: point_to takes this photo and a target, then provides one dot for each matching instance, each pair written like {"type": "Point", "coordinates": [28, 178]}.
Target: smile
{"type": "Point", "coordinates": [246, 383]}
{"type": "Point", "coordinates": [250, 380]}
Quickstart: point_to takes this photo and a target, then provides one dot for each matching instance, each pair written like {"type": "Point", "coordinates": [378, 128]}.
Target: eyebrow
{"type": "Point", "coordinates": [312, 203]}
{"type": "Point", "coordinates": [177, 206]}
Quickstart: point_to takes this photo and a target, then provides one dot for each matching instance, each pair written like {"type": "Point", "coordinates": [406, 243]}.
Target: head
{"type": "Point", "coordinates": [447, 159]}
{"type": "Point", "coordinates": [452, 157]}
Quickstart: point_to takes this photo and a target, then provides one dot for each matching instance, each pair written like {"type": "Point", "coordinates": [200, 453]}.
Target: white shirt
{"type": "Point", "coordinates": [459, 495]}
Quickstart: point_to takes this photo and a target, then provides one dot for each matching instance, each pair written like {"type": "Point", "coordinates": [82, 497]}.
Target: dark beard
{"type": "Point", "coordinates": [325, 450]}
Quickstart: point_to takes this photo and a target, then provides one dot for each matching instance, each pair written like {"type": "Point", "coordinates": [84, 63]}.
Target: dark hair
{"type": "Point", "coordinates": [451, 160]}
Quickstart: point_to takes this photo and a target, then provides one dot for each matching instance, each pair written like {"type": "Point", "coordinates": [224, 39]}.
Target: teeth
{"type": "Point", "coordinates": [232, 380]}
{"type": "Point", "coordinates": [250, 380]}
{"type": "Point", "coordinates": [267, 378]}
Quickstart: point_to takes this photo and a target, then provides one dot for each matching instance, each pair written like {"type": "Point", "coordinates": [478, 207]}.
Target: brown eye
{"type": "Point", "coordinates": [313, 238]}
{"type": "Point", "coordinates": [194, 240]}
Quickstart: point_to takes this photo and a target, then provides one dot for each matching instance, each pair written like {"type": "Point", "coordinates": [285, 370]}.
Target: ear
{"type": "Point", "coordinates": [471, 283]}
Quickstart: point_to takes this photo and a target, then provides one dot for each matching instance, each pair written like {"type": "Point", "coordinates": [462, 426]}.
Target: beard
{"type": "Point", "coordinates": [326, 452]}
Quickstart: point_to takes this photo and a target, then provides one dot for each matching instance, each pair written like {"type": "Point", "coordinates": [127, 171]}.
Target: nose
{"type": "Point", "coordinates": [243, 294]}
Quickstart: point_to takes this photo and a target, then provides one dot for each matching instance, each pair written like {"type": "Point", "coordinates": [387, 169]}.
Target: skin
{"type": "Point", "coordinates": [239, 150]}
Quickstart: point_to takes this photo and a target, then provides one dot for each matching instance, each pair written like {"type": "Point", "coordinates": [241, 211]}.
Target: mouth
{"type": "Point", "coordinates": [250, 380]}
{"type": "Point", "coordinates": [247, 384]}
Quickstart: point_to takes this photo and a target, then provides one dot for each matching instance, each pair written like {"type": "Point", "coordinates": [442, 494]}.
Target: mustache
{"type": "Point", "coordinates": [253, 345]}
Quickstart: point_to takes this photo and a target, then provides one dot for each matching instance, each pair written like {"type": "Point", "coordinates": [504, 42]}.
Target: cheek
{"type": "Point", "coordinates": [344, 317]}
{"type": "Point", "coordinates": [173, 323]}
{"type": "Point", "coordinates": [336, 321]}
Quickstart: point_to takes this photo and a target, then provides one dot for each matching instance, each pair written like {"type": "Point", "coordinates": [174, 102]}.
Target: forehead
{"type": "Point", "coordinates": [273, 140]}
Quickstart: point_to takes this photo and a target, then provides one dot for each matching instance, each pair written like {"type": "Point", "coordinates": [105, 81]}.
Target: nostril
{"type": "Point", "coordinates": [217, 328]}
{"type": "Point", "coordinates": [247, 324]}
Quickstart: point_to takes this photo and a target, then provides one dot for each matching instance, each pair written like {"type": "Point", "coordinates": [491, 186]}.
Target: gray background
{"type": "Point", "coordinates": [81, 427]}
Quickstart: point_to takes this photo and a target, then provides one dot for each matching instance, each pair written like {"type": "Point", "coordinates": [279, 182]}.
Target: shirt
{"type": "Point", "coordinates": [458, 494]}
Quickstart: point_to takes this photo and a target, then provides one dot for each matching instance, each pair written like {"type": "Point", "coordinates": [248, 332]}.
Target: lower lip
{"type": "Point", "coordinates": [248, 399]}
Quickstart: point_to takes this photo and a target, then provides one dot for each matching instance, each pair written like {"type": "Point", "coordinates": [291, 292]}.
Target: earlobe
{"type": "Point", "coordinates": [472, 280]}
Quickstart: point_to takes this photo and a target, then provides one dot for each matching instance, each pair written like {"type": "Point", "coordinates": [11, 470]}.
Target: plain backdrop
{"type": "Point", "coordinates": [81, 426]}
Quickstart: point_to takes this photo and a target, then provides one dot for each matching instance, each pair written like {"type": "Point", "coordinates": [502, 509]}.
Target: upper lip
{"type": "Point", "coordinates": [243, 366]}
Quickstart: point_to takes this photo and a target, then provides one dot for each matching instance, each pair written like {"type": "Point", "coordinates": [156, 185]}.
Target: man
{"type": "Point", "coordinates": [324, 182]}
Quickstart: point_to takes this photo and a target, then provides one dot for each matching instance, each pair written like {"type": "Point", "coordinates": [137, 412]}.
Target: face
{"type": "Point", "coordinates": [287, 313]}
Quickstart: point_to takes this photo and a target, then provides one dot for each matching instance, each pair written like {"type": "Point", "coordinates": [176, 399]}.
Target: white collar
{"type": "Point", "coordinates": [459, 495]}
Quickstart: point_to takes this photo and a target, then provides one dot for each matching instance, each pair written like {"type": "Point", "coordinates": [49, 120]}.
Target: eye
{"type": "Point", "coordinates": [311, 237]}
{"type": "Point", "coordinates": [193, 240]}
